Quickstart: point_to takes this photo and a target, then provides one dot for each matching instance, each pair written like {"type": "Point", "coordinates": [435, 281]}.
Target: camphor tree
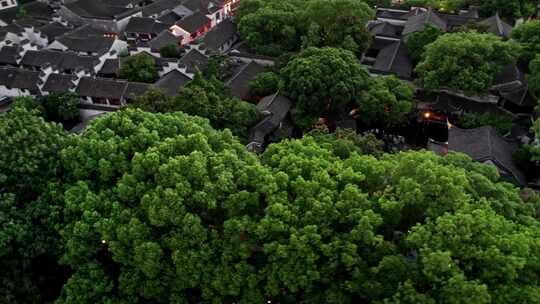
{"type": "Point", "coordinates": [533, 79]}
{"type": "Point", "coordinates": [270, 27]}
{"type": "Point", "coordinates": [416, 42]}
{"type": "Point", "coordinates": [465, 61]}
{"type": "Point", "coordinates": [208, 98]}
{"type": "Point", "coordinates": [385, 102]}
{"type": "Point", "coordinates": [139, 68]}
{"type": "Point", "coordinates": [277, 27]}
{"type": "Point", "coordinates": [320, 80]}
{"type": "Point", "coordinates": [29, 245]}
{"type": "Point", "coordinates": [528, 36]}
{"type": "Point", "coordinates": [60, 107]}
{"type": "Point", "coordinates": [161, 208]}
{"type": "Point", "coordinates": [338, 23]}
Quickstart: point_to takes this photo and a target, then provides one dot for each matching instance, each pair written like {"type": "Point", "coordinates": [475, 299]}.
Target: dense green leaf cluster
{"type": "Point", "coordinates": [210, 99]}
{"type": "Point", "coordinates": [416, 42]}
{"type": "Point", "coordinates": [29, 149]}
{"type": "Point", "coordinates": [322, 79]}
{"type": "Point", "coordinates": [162, 208]}
{"type": "Point", "coordinates": [325, 80]}
{"type": "Point", "coordinates": [503, 123]}
{"type": "Point", "coordinates": [465, 61]}
{"type": "Point", "coordinates": [276, 27]}
{"type": "Point", "coordinates": [528, 36]}
{"type": "Point", "coordinates": [139, 68]}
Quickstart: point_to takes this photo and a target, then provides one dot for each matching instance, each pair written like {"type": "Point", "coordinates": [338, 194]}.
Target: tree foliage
{"type": "Point", "coordinates": [276, 27]}
{"type": "Point", "coordinates": [339, 23]}
{"type": "Point", "coordinates": [171, 51]}
{"type": "Point", "coordinates": [343, 142]}
{"type": "Point", "coordinates": [265, 84]}
{"type": "Point", "coordinates": [139, 68]}
{"type": "Point", "coordinates": [162, 208]}
{"type": "Point", "coordinates": [29, 162]}
{"type": "Point", "coordinates": [60, 107]}
{"type": "Point", "coordinates": [471, 120]}
{"type": "Point", "coordinates": [206, 98]}
{"type": "Point", "coordinates": [416, 42]}
{"type": "Point", "coordinates": [528, 36]}
{"type": "Point", "coordinates": [465, 61]}
{"type": "Point", "coordinates": [535, 148]}
{"type": "Point", "coordinates": [533, 78]}
{"type": "Point", "coordinates": [385, 102]}
{"type": "Point", "coordinates": [320, 80]}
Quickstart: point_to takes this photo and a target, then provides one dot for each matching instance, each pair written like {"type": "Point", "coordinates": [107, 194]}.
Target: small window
{"type": "Point", "coordinates": [4, 3]}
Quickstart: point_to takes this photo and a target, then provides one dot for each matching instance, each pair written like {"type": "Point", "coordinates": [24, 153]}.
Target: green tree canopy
{"type": "Point", "coordinates": [206, 98]}
{"type": "Point", "coordinates": [29, 162]}
{"type": "Point", "coordinates": [528, 36]}
{"type": "Point", "coordinates": [270, 27]}
{"type": "Point", "coordinates": [338, 23]}
{"type": "Point", "coordinates": [416, 42]}
{"type": "Point", "coordinates": [320, 80]}
{"type": "Point", "coordinates": [60, 107]}
{"type": "Point", "coordinates": [265, 84]}
{"type": "Point", "coordinates": [277, 27]}
{"type": "Point", "coordinates": [465, 61]}
{"type": "Point", "coordinates": [535, 149]}
{"type": "Point", "coordinates": [533, 78]}
{"type": "Point", "coordinates": [139, 68]}
{"type": "Point", "coordinates": [171, 51]}
{"type": "Point", "coordinates": [162, 208]}
{"type": "Point", "coordinates": [385, 102]}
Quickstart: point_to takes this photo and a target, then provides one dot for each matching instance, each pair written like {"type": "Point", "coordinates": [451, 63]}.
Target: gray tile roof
{"type": "Point", "coordinates": [63, 61]}
{"type": "Point", "coordinates": [99, 9]}
{"type": "Point", "coordinates": [393, 58]}
{"type": "Point", "coordinates": [194, 60]}
{"type": "Point", "coordinates": [239, 84]}
{"type": "Point", "coordinates": [160, 7]}
{"type": "Point", "coordinates": [163, 39]}
{"type": "Point", "coordinates": [194, 22]}
{"type": "Point", "coordinates": [220, 34]}
{"type": "Point", "coordinates": [19, 79]}
{"type": "Point", "coordinates": [59, 83]}
{"type": "Point", "coordinates": [101, 88]}
{"type": "Point", "coordinates": [145, 25]}
{"type": "Point", "coordinates": [9, 55]}
{"type": "Point", "coordinates": [485, 144]}
{"type": "Point", "coordinates": [497, 26]}
{"type": "Point", "coordinates": [417, 23]}
{"type": "Point", "coordinates": [172, 81]}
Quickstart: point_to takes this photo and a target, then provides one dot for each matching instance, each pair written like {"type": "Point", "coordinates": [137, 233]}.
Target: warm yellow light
{"type": "Point", "coordinates": [427, 115]}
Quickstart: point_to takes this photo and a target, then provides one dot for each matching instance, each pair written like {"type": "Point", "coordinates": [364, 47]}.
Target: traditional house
{"type": "Point", "coordinates": [485, 145]}
{"type": "Point", "coordinates": [102, 91]}
{"type": "Point", "coordinates": [239, 83]}
{"type": "Point", "coordinates": [143, 29]}
{"type": "Point", "coordinates": [275, 122]}
{"type": "Point", "coordinates": [87, 40]}
{"type": "Point", "coordinates": [192, 62]}
{"type": "Point", "coordinates": [221, 38]}
{"type": "Point", "coordinates": [18, 82]}
{"type": "Point", "coordinates": [172, 81]}
{"type": "Point", "coordinates": [109, 16]}
{"type": "Point", "coordinates": [7, 4]}
{"type": "Point", "coordinates": [191, 27]}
